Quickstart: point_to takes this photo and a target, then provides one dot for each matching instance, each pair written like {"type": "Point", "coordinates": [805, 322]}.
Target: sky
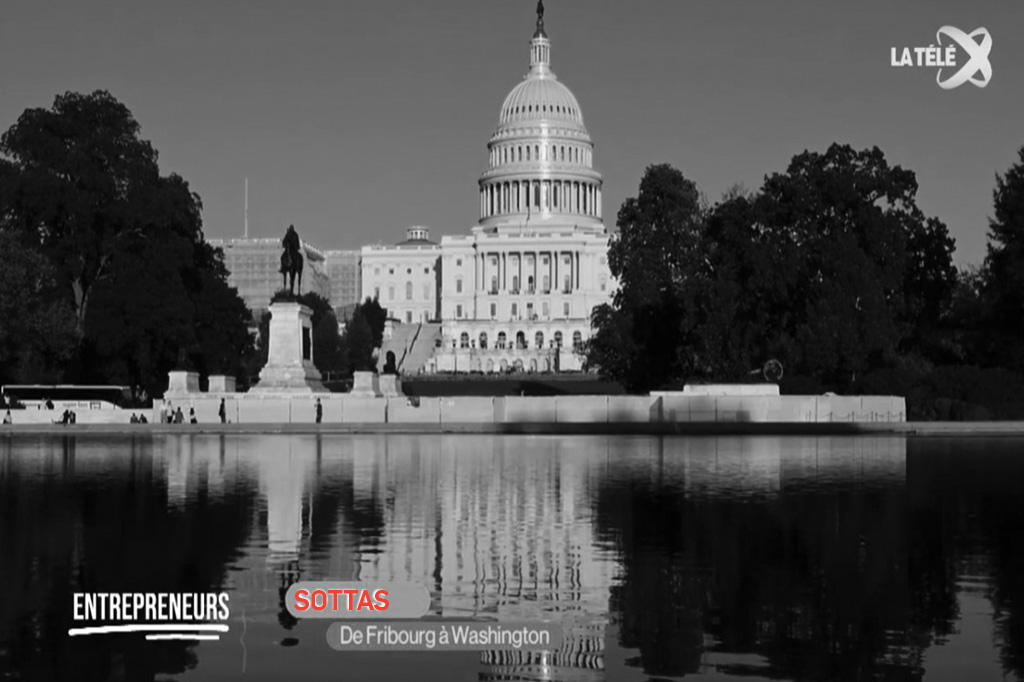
{"type": "Point", "coordinates": [353, 121]}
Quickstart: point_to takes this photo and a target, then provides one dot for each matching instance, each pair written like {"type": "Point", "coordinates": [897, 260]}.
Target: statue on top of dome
{"type": "Point", "coordinates": [540, 16]}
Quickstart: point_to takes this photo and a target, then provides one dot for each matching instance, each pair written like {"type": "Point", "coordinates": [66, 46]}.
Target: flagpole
{"type": "Point", "coordinates": [247, 208]}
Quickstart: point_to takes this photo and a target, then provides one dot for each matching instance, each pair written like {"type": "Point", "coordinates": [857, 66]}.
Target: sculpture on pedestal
{"type": "Point", "coordinates": [291, 260]}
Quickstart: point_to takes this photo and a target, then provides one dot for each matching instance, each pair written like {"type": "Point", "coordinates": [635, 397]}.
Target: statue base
{"type": "Point", "coordinates": [365, 385]}
{"type": "Point", "coordinates": [290, 367]}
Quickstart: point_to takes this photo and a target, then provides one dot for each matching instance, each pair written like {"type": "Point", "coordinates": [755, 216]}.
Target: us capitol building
{"type": "Point", "coordinates": [517, 292]}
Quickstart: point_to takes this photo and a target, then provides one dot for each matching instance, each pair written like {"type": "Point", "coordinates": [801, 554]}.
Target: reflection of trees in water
{"type": "Point", "coordinates": [102, 529]}
{"type": "Point", "coordinates": [813, 580]}
{"type": "Point", "coordinates": [967, 499]}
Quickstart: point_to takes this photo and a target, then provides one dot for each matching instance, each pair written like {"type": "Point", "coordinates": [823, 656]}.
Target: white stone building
{"type": "Point", "coordinates": [404, 277]}
{"type": "Point", "coordinates": [518, 291]}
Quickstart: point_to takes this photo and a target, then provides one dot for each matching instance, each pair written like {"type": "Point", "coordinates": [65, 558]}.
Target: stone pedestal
{"type": "Point", "coordinates": [290, 367]}
{"type": "Point", "coordinates": [390, 385]}
{"type": "Point", "coordinates": [365, 385]}
{"type": "Point", "coordinates": [220, 383]}
{"type": "Point", "coordinates": [181, 384]}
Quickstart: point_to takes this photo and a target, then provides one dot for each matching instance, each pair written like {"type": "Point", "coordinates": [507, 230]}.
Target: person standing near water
{"type": "Point", "coordinates": [319, 411]}
{"type": "Point", "coordinates": [223, 412]}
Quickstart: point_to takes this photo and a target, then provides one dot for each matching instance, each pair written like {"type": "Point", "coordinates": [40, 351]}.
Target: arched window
{"type": "Point", "coordinates": [520, 340]}
{"type": "Point", "coordinates": [558, 339]}
{"type": "Point", "coordinates": [483, 339]}
{"type": "Point", "coordinates": [539, 339]}
{"type": "Point", "coordinates": [501, 339]}
{"type": "Point", "coordinates": [577, 340]}
{"type": "Point", "coordinates": [408, 291]}
{"type": "Point", "coordinates": [464, 340]}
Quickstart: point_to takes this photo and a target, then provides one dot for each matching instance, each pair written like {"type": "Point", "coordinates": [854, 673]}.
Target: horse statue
{"type": "Point", "coordinates": [291, 260]}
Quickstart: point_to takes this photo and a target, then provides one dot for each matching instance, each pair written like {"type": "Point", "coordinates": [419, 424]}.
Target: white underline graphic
{"type": "Point", "coordinates": [178, 635]}
{"type": "Point", "coordinates": [162, 627]}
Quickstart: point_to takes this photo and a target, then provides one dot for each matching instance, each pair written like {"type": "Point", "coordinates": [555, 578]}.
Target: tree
{"type": "Point", "coordinates": [126, 244]}
{"type": "Point", "coordinates": [37, 326]}
{"type": "Point", "coordinates": [637, 338]}
{"type": "Point", "coordinates": [79, 179]}
{"type": "Point", "coordinates": [375, 317]}
{"type": "Point", "coordinates": [327, 345]}
{"type": "Point", "coordinates": [359, 341]}
{"type": "Point", "coordinates": [1004, 267]}
{"type": "Point", "coordinates": [836, 263]}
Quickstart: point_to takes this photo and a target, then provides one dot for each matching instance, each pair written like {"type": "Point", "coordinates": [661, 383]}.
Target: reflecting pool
{"type": "Point", "coordinates": [767, 558]}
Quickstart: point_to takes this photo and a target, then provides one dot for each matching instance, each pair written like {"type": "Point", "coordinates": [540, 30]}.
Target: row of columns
{"type": "Point", "coordinates": [560, 274]}
{"type": "Point", "coordinates": [554, 196]}
{"type": "Point", "coordinates": [514, 153]}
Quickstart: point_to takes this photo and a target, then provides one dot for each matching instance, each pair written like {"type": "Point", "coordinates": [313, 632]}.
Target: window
{"type": "Point", "coordinates": [577, 340]}
{"type": "Point", "coordinates": [529, 284]}
{"type": "Point", "coordinates": [520, 340]}
{"type": "Point", "coordinates": [501, 339]}
{"type": "Point", "coordinates": [547, 280]}
{"type": "Point", "coordinates": [529, 311]}
{"type": "Point", "coordinates": [458, 285]}
{"type": "Point", "coordinates": [604, 283]}
{"type": "Point", "coordinates": [483, 339]}
{"type": "Point", "coordinates": [568, 283]}
{"type": "Point", "coordinates": [391, 271]}
{"type": "Point", "coordinates": [545, 308]}
{"type": "Point", "coordinates": [567, 308]}
{"type": "Point", "coordinates": [408, 316]}
{"type": "Point", "coordinates": [376, 293]}
{"type": "Point", "coordinates": [391, 293]}
{"type": "Point", "coordinates": [464, 340]}
{"type": "Point", "coordinates": [408, 271]}
{"type": "Point", "coordinates": [458, 311]}
{"type": "Point", "coordinates": [494, 310]}
{"type": "Point", "coordinates": [426, 271]}
{"type": "Point", "coordinates": [539, 339]}
{"type": "Point", "coordinates": [376, 271]}
{"type": "Point", "coordinates": [408, 291]}
{"type": "Point", "coordinates": [515, 310]}
{"type": "Point", "coordinates": [558, 339]}
{"type": "Point", "coordinates": [458, 262]}
{"type": "Point", "coordinates": [515, 283]}
{"type": "Point", "coordinates": [494, 284]}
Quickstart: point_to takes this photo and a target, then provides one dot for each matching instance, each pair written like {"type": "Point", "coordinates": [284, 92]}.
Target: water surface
{"type": "Point", "coordinates": [705, 558]}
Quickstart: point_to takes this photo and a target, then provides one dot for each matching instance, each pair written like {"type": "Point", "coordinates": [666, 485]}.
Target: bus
{"type": "Point", "coordinates": [67, 397]}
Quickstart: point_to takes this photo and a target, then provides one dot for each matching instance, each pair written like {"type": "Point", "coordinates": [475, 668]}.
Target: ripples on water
{"type": "Point", "coordinates": [713, 558]}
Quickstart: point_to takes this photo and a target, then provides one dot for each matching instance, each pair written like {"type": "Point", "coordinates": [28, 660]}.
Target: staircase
{"type": "Point", "coordinates": [412, 344]}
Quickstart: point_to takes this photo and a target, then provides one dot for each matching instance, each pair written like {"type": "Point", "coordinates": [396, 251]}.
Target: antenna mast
{"type": "Point", "coordinates": [247, 208]}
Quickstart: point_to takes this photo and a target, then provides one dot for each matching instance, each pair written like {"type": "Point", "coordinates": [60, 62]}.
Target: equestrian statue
{"type": "Point", "coordinates": [291, 260]}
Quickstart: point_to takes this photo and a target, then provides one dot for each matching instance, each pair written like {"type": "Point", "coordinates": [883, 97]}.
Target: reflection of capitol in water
{"type": "Point", "coordinates": [496, 531]}
{"type": "Point", "coordinates": [496, 527]}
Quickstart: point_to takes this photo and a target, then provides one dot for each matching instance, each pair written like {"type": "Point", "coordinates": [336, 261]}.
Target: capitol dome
{"type": "Point", "coordinates": [540, 174]}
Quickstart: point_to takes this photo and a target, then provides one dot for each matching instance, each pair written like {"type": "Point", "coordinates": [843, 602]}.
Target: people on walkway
{"type": "Point", "coordinates": [223, 412]}
{"type": "Point", "coordinates": [192, 416]}
{"type": "Point", "coordinates": [179, 416]}
{"type": "Point", "coordinates": [134, 419]}
{"type": "Point", "coordinates": [7, 418]}
{"type": "Point", "coordinates": [319, 411]}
